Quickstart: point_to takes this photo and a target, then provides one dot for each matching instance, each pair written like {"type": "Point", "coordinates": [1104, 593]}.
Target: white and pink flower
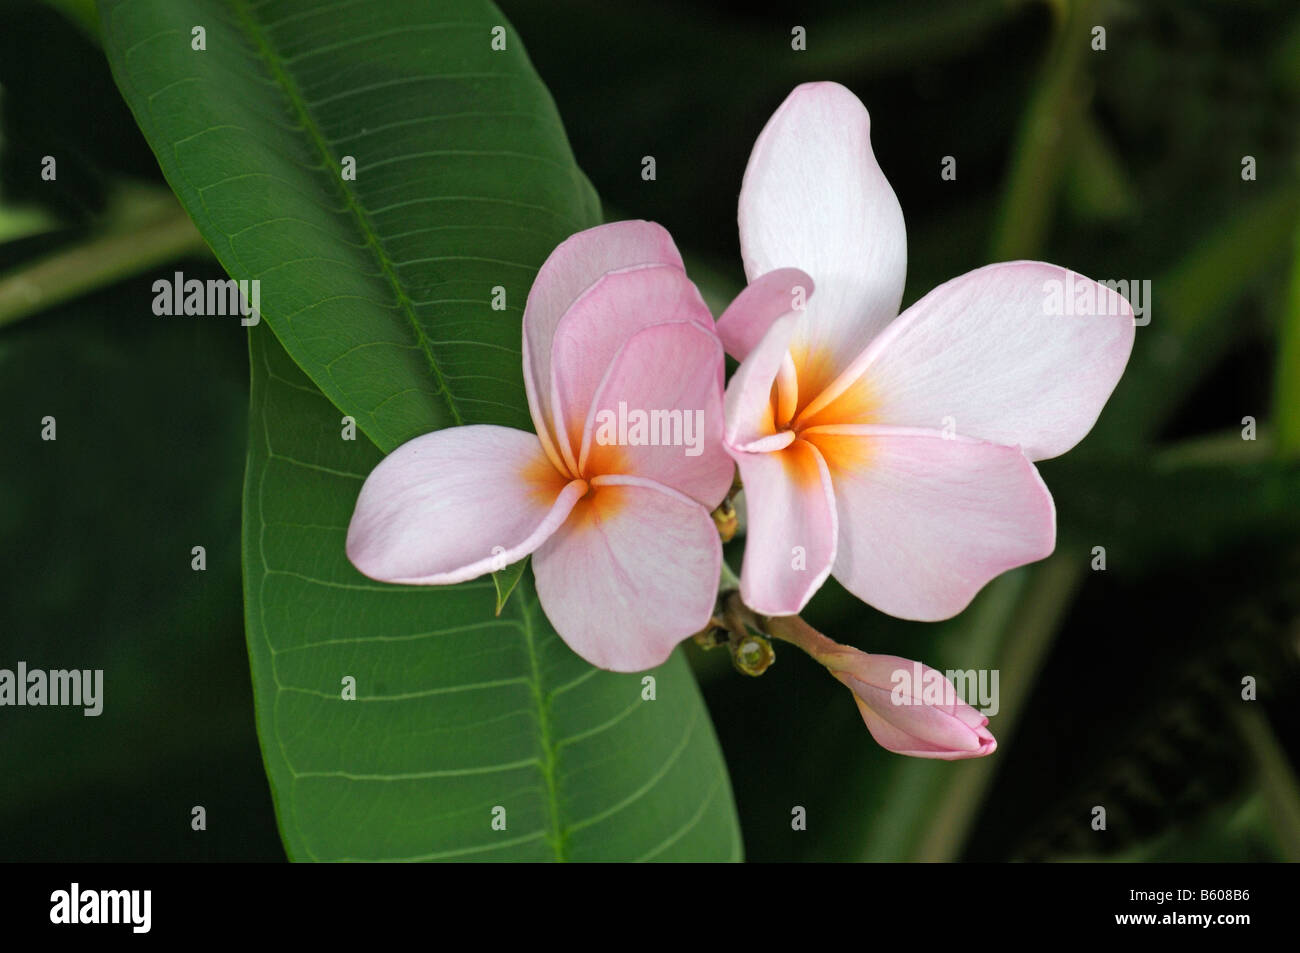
{"type": "Point", "coordinates": [625, 553]}
{"type": "Point", "coordinates": [893, 451]}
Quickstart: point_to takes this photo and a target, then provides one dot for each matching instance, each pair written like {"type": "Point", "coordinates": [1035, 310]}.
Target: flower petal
{"type": "Point", "coordinates": [598, 324]}
{"type": "Point", "coordinates": [814, 198]}
{"type": "Point", "coordinates": [926, 521]}
{"type": "Point", "coordinates": [763, 300]}
{"type": "Point", "coordinates": [792, 527]}
{"type": "Point", "coordinates": [630, 574]}
{"type": "Point", "coordinates": [987, 350]}
{"type": "Point", "coordinates": [670, 375]}
{"type": "Point", "coordinates": [747, 404]}
{"type": "Point", "coordinates": [455, 504]}
{"type": "Point", "coordinates": [571, 268]}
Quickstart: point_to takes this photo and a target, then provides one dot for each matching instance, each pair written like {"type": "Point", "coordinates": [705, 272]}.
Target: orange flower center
{"type": "Point", "coordinates": [809, 401]}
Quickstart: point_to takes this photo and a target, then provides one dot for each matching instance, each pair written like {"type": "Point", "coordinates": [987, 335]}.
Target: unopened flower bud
{"type": "Point", "coordinates": [910, 708]}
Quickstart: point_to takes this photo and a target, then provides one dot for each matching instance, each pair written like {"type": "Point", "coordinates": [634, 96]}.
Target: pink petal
{"type": "Point", "coordinates": [984, 350]}
{"type": "Point", "coordinates": [926, 522]}
{"type": "Point", "coordinates": [814, 198]}
{"type": "Point", "coordinates": [571, 268]}
{"type": "Point", "coordinates": [673, 370]}
{"type": "Point", "coordinates": [762, 301]}
{"type": "Point", "coordinates": [792, 529]}
{"type": "Point", "coordinates": [455, 504]}
{"type": "Point", "coordinates": [598, 324]}
{"type": "Point", "coordinates": [630, 574]}
{"type": "Point", "coordinates": [748, 401]}
{"type": "Point", "coordinates": [921, 732]}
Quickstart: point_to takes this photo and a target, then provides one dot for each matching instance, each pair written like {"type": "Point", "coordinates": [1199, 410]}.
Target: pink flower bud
{"type": "Point", "coordinates": [910, 708]}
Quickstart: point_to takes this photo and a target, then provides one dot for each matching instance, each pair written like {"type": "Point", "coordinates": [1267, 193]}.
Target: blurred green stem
{"type": "Point", "coordinates": [1046, 133]}
{"type": "Point", "coordinates": [163, 235]}
{"type": "Point", "coordinates": [1286, 401]}
{"type": "Point", "coordinates": [1276, 779]}
{"type": "Point", "coordinates": [22, 221]}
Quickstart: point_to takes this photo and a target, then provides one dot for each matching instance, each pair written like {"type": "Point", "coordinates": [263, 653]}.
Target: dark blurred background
{"type": "Point", "coordinates": [1119, 688]}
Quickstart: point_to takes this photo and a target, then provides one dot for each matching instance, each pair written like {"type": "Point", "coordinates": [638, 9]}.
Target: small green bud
{"type": "Point", "coordinates": [752, 654]}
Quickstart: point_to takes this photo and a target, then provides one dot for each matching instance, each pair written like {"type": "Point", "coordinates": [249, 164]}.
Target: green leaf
{"type": "Point", "coordinates": [506, 580]}
{"type": "Point", "coordinates": [380, 292]}
{"type": "Point", "coordinates": [456, 712]}
{"type": "Point", "coordinates": [380, 287]}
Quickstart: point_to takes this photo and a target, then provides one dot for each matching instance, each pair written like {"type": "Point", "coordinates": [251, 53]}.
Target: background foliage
{"type": "Point", "coordinates": [1118, 688]}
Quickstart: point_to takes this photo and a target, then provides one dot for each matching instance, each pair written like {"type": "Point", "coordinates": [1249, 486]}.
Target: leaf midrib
{"type": "Point", "coordinates": [298, 104]}
{"type": "Point", "coordinates": [549, 752]}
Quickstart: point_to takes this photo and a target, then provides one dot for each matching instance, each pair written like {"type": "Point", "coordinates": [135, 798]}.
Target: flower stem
{"type": "Point", "coordinates": [1287, 373]}
{"type": "Point", "coordinates": [793, 629]}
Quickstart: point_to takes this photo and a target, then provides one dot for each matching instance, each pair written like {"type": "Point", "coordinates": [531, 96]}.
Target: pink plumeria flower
{"type": "Point", "coordinates": [625, 553]}
{"type": "Point", "coordinates": [893, 450]}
